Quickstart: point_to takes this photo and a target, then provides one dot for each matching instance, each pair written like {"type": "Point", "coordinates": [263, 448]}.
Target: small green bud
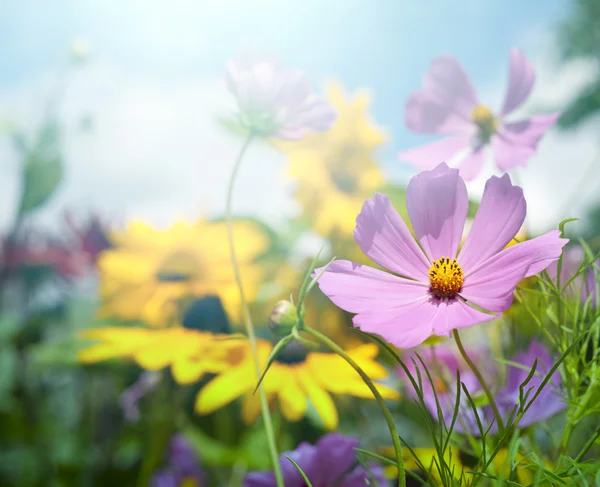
{"type": "Point", "coordinates": [283, 318]}
{"type": "Point", "coordinates": [434, 340]}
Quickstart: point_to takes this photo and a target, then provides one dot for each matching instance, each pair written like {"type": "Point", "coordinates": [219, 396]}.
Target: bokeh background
{"type": "Point", "coordinates": [122, 103]}
{"type": "Point", "coordinates": [140, 114]}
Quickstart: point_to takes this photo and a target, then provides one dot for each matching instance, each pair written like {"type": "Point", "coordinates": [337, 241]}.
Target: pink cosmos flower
{"type": "Point", "coordinates": [274, 101]}
{"type": "Point", "coordinates": [434, 285]}
{"type": "Point", "coordinates": [448, 105]}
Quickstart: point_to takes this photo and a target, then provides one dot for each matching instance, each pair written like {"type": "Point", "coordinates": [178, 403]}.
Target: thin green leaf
{"type": "Point", "coordinates": [277, 349]}
{"type": "Point", "coordinates": [308, 484]}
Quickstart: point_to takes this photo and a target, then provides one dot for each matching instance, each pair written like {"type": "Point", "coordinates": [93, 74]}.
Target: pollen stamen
{"type": "Point", "coordinates": [483, 117]}
{"type": "Point", "coordinates": [446, 277]}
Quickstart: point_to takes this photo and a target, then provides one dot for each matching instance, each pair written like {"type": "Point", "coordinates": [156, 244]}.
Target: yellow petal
{"type": "Point", "coordinates": [320, 399]}
{"type": "Point", "coordinates": [126, 266]}
{"type": "Point", "coordinates": [250, 408]}
{"type": "Point", "coordinates": [429, 459]}
{"type": "Point", "coordinates": [225, 388]}
{"type": "Point", "coordinates": [292, 398]}
{"type": "Point", "coordinates": [187, 371]}
{"type": "Point", "coordinates": [100, 352]}
{"type": "Point", "coordinates": [116, 342]}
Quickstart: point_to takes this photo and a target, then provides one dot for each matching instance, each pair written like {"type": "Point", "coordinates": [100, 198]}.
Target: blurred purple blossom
{"type": "Point", "coordinates": [131, 396]}
{"type": "Point", "coordinates": [274, 101]}
{"type": "Point", "coordinates": [443, 361]}
{"type": "Point", "coordinates": [183, 468]}
{"type": "Point", "coordinates": [328, 463]}
{"type": "Point", "coordinates": [448, 104]}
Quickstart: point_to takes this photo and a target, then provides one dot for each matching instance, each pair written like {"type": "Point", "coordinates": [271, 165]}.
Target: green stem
{"type": "Point", "coordinates": [264, 405]}
{"type": "Point", "coordinates": [161, 419]}
{"type": "Point", "coordinates": [483, 383]}
{"type": "Point", "coordinates": [384, 409]}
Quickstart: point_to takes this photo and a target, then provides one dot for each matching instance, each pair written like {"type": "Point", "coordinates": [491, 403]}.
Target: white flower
{"type": "Point", "coordinates": [276, 102]}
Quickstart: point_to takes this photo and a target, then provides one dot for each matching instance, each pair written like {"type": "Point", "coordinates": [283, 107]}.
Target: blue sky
{"type": "Point", "coordinates": [149, 55]}
{"type": "Point", "coordinates": [385, 45]}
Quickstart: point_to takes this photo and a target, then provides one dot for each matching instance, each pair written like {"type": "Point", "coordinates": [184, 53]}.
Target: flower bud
{"type": "Point", "coordinates": [283, 318]}
{"type": "Point", "coordinates": [434, 340]}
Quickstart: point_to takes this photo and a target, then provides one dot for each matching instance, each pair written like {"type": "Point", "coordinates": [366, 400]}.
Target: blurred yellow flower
{"type": "Point", "coordinates": [190, 353]}
{"type": "Point", "coordinates": [336, 170]}
{"type": "Point", "coordinates": [149, 271]}
{"type": "Point", "coordinates": [293, 380]}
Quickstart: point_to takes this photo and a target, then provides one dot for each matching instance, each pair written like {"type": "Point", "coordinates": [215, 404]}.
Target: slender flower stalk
{"type": "Point", "coordinates": [481, 380]}
{"type": "Point", "coordinates": [264, 406]}
{"type": "Point", "coordinates": [384, 409]}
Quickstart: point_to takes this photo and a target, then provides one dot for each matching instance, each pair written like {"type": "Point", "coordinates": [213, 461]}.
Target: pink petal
{"type": "Point", "coordinates": [426, 114]}
{"type": "Point", "coordinates": [437, 204]}
{"type": "Point", "coordinates": [516, 142]}
{"type": "Point", "coordinates": [471, 165]}
{"type": "Point", "coordinates": [500, 216]}
{"type": "Point", "coordinates": [457, 314]}
{"type": "Point", "coordinates": [545, 249]}
{"type": "Point", "coordinates": [404, 327]}
{"type": "Point", "coordinates": [521, 77]}
{"type": "Point", "coordinates": [361, 289]}
{"type": "Point", "coordinates": [446, 102]}
{"type": "Point", "coordinates": [449, 83]}
{"type": "Point", "coordinates": [492, 283]}
{"type": "Point", "coordinates": [410, 325]}
{"type": "Point", "coordinates": [430, 155]}
{"type": "Point", "coordinates": [384, 237]}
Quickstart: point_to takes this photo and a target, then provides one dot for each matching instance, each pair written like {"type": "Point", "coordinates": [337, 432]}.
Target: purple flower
{"type": "Point", "coordinates": [276, 102]}
{"type": "Point", "coordinates": [443, 363]}
{"type": "Point", "coordinates": [438, 283]}
{"type": "Point", "coordinates": [330, 462]}
{"type": "Point", "coordinates": [130, 397]}
{"type": "Point", "coordinates": [448, 105]}
{"type": "Point", "coordinates": [183, 468]}
{"type": "Point", "coordinates": [548, 403]}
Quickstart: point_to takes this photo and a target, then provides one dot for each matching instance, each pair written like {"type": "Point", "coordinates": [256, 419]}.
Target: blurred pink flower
{"type": "Point", "coordinates": [448, 105]}
{"type": "Point", "coordinates": [69, 254]}
{"type": "Point", "coordinates": [36, 251]}
{"type": "Point", "coordinates": [439, 283]}
{"type": "Point", "coordinates": [276, 102]}
{"type": "Point", "coordinates": [89, 234]}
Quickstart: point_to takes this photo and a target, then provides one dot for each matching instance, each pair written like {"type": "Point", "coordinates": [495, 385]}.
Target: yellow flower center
{"type": "Point", "coordinates": [178, 267]}
{"type": "Point", "coordinates": [483, 117]}
{"type": "Point", "coordinates": [446, 277]}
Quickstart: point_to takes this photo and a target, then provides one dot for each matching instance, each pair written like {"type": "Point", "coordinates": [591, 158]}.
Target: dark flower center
{"type": "Point", "coordinates": [345, 182]}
